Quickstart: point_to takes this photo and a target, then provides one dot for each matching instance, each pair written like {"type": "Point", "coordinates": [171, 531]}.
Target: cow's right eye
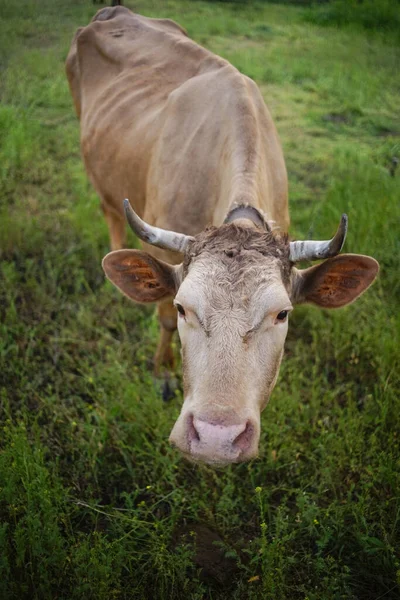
{"type": "Point", "coordinates": [180, 309]}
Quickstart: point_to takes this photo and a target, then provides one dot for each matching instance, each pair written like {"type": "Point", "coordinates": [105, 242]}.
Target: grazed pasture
{"type": "Point", "coordinates": [94, 503]}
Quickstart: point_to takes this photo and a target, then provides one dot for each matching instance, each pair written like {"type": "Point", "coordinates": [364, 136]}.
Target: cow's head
{"type": "Point", "coordinates": [233, 292]}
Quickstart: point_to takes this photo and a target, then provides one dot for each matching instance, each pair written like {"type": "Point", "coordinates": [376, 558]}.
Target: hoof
{"type": "Point", "coordinates": [168, 389]}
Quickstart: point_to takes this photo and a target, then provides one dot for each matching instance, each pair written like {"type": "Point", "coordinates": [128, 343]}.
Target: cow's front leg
{"type": "Point", "coordinates": [116, 226]}
{"type": "Point", "coordinates": [164, 356]}
{"type": "Point", "coordinates": [164, 361]}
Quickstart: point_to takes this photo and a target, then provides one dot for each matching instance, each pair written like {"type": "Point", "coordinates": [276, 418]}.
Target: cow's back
{"type": "Point", "coordinates": [169, 125]}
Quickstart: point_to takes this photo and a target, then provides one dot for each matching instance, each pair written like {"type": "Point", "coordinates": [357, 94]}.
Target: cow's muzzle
{"type": "Point", "coordinates": [216, 442]}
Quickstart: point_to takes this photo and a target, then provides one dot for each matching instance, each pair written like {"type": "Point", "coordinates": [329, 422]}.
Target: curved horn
{"type": "Point", "coordinates": [311, 250]}
{"type": "Point", "coordinates": [169, 240]}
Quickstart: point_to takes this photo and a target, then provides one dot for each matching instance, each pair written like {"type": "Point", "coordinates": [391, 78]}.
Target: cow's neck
{"type": "Point", "coordinates": [244, 182]}
{"type": "Point", "coordinates": [235, 191]}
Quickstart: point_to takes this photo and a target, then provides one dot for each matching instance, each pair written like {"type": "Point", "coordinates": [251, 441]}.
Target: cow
{"type": "Point", "coordinates": [189, 143]}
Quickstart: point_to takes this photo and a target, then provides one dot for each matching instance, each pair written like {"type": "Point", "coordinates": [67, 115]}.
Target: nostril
{"type": "Point", "coordinates": [244, 439]}
{"type": "Point", "coordinates": [192, 431]}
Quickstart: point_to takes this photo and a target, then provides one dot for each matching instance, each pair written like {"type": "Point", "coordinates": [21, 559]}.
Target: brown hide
{"type": "Point", "coordinates": [169, 125]}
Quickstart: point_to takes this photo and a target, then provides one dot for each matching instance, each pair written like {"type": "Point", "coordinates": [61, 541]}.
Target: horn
{"type": "Point", "coordinates": [169, 240]}
{"type": "Point", "coordinates": [310, 250]}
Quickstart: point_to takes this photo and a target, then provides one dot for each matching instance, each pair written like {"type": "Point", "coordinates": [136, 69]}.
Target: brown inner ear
{"type": "Point", "coordinates": [337, 281]}
{"type": "Point", "coordinates": [139, 276]}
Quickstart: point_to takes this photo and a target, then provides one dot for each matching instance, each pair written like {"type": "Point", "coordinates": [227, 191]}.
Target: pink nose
{"type": "Point", "coordinates": [219, 443]}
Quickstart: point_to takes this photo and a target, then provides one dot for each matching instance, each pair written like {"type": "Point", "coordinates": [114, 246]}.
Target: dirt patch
{"type": "Point", "coordinates": [209, 552]}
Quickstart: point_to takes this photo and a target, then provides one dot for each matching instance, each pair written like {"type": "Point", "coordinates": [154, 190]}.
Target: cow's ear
{"type": "Point", "coordinates": [140, 276]}
{"type": "Point", "coordinates": [335, 282]}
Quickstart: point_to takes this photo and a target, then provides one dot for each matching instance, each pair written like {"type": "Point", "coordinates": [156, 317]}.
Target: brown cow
{"type": "Point", "coordinates": [189, 140]}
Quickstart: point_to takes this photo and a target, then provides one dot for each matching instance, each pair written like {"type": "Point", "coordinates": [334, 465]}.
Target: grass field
{"type": "Point", "coordinates": [94, 504]}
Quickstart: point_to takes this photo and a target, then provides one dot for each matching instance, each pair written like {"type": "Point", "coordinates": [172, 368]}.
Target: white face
{"type": "Point", "coordinates": [232, 331]}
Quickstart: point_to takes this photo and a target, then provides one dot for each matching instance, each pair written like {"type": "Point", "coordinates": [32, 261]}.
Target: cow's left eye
{"type": "Point", "coordinates": [282, 316]}
{"type": "Point", "coordinates": [180, 309]}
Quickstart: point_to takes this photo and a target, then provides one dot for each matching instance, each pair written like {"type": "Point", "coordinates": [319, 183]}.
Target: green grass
{"type": "Point", "coordinates": [94, 503]}
{"type": "Point", "coordinates": [383, 15]}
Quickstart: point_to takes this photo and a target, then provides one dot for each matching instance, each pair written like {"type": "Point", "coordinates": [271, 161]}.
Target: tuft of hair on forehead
{"type": "Point", "coordinates": [235, 245]}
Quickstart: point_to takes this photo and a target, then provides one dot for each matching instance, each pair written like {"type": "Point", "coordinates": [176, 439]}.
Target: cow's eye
{"type": "Point", "coordinates": [180, 309]}
{"type": "Point", "coordinates": [282, 316]}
